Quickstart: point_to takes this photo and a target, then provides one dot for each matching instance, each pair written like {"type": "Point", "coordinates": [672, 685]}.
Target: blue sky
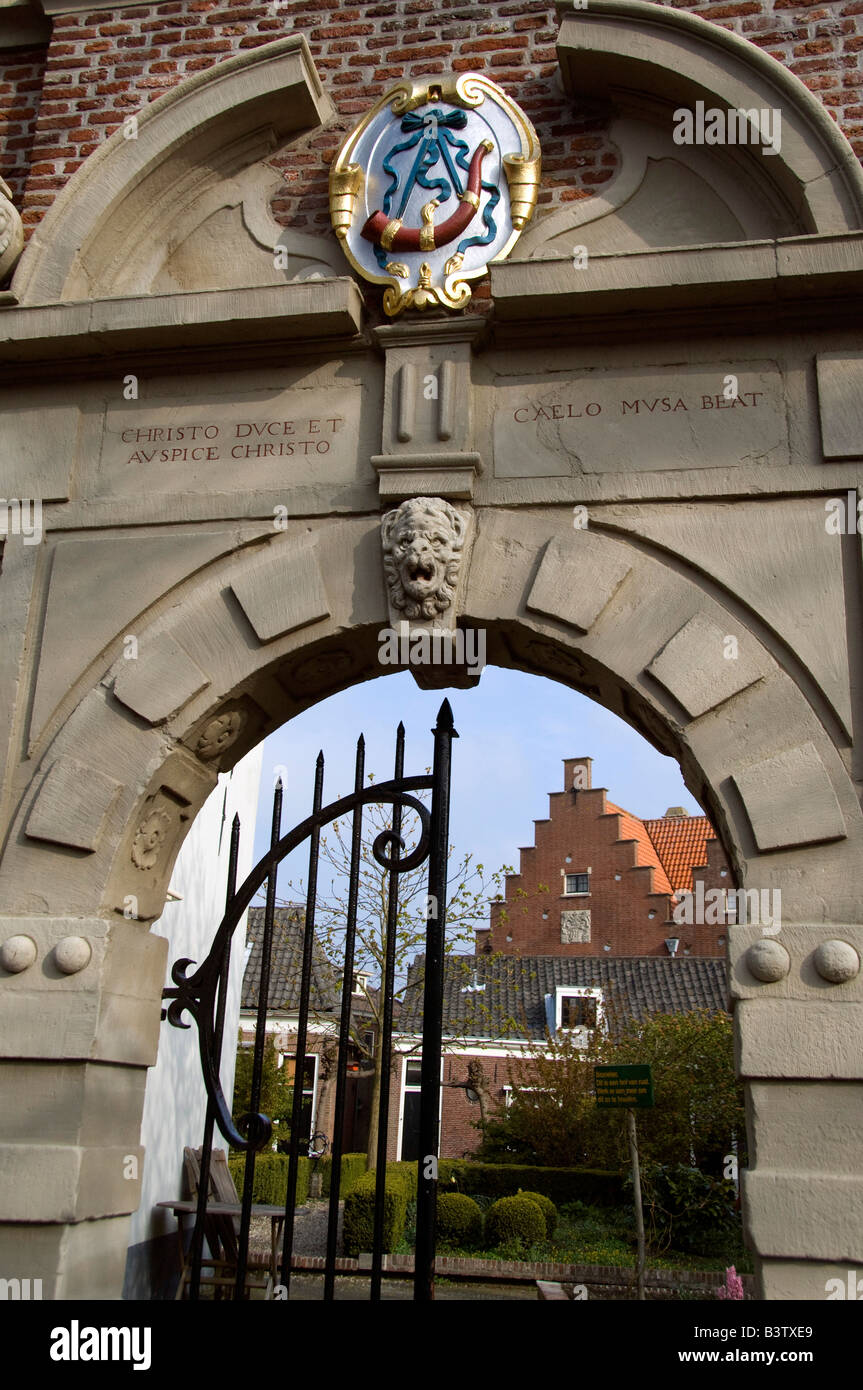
{"type": "Point", "coordinates": [514, 729]}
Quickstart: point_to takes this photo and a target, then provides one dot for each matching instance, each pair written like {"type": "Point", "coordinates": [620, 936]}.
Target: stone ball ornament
{"type": "Point", "coordinates": [837, 961]}
{"type": "Point", "coordinates": [768, 961]}
{"type": "Point", "coordinates": [72, 954]}
{"type": "Point", "coordinates": [18, 953]}
{"type": "Point", "coordinates": [438, 179]}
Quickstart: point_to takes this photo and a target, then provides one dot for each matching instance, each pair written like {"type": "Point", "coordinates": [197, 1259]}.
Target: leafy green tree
{"type": "Point", "coordinates": [698, 1112]}
{"type": "Point", "coordinates": [277, 1091]}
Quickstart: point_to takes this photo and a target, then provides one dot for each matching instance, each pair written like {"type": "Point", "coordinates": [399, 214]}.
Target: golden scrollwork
{"type": "Point", "coordinates": [453, 294]}
{"type": "Point", "coordinates": [346, 185]}
{"type": "Point", "coordinates": [523, 176]}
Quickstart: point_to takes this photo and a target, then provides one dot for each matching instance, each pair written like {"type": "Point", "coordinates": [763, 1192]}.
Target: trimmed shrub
{"type": "Point", "coordinates": [353, 1167]}
{"type": "Point", "coordinates": [548, 1209]}
{"type": "Point", "coordinates": [594, 1187]}
{"type": "Point", "coordinates": [271, 1178]}
{"type": "Point", "coordinates": [359, 1223]}
{"type": "Point", "coordinates": [514, 1219]}
{"type": "Point", "coordinates": [459, 1220]}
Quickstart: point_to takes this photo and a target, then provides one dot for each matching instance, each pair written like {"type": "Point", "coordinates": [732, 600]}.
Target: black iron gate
{"type": "Point", "coordinates": [203, 996]}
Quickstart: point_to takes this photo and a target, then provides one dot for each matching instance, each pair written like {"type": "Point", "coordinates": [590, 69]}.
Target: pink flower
{"type": "Point", "coordinates": [733, 1287]}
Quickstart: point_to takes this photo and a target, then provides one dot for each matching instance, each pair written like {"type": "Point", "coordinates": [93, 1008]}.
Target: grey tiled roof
{"type": "Point", "coordinates": [287, 959]}
{"type": "Point", "coordinates": [515, 988]}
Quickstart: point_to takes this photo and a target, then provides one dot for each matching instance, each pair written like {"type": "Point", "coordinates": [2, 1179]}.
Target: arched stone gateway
{"type": "Point", "coordinates": [640, 443]}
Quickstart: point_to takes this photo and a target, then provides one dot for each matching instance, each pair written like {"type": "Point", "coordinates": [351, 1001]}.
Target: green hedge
{"type": "Point", "coordinates": [359, 1225]}
{"type": "Point", "coordinates": [271, 1178]}
{"type": "Point", "coordinates": [594, 1187]}
{"type": "Point", "coordinates": [514, 1219]}
{"type": "Point", "coordinates": [353, 1167]}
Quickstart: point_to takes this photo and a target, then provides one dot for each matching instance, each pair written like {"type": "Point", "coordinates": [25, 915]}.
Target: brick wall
{"type": "Point", "coordinates": [21, 78]}
{"type": "Point", "coordinates": [630, 911]}
{"type": "Point", "coordinates": [102, 66]}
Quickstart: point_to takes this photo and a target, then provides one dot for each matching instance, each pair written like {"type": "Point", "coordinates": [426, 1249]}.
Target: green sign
{"type": "Point", "coordinates": [624, 1088]}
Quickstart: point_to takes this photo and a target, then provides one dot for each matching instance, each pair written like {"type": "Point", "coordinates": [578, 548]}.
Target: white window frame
{"type": "Point", "coordinates": [314, 1086]}
{"type": "Point", "coordinates": [576, 892]}
{"type": "Point", "coordinates": [403, 1087]}
{"type": "Point", "coordinates": [579, 992]}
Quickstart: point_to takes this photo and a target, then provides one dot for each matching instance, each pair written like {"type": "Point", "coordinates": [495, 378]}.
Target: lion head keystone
{"type": "Point", "coordinates": [422, 552]}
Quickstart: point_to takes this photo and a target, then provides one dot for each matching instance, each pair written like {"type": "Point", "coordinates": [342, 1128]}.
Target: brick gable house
{"type": "Point", "coordinates": [600, 944]}
{"type": "Point", "coordinates": [584, 934]}
{"type": "Point", "coordinates": [612, 880]}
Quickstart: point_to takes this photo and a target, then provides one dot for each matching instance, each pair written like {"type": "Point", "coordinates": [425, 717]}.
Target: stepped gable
{"type": "Point", "coordinates": [631, 828]}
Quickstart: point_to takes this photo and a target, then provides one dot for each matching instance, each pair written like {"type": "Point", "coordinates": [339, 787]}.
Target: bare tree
{"type": "Point", "coordinates": [469, 889]}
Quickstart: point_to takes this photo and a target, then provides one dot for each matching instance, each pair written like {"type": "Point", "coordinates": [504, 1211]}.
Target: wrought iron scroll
{"type": "Point", "coordinates": [196, 994]}
{"type": "Point", "coordinates": [202, 994]}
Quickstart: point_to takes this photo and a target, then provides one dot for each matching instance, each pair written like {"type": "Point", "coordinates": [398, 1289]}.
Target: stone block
{"type": "Point", "coordinates": [54, 1182]}
{"type": "Point", "coordinates": [813, 1216]}
{"type": "Point", "coordinates": [790, 800]}
{"type": "Point", "coordinates": [696, 669]}
{"type": "Point", "coordinates": [577, 578]}
{"type": "Point", "coordinates": [284, 593]}
{"type": "Point", "coordinates": [98, 588]}
{"type": "Point", "coordinates": [39, 448]}
{"type": "Point", "coordinates": [72, 805]}
{"type": "Point", "coordinates": [160, 681]}
{"type": "Point", "coordinates": [804, 1280]}
{"type": "Point", "coordinates": [840, 404]}
{"type": "Point", "coordinates": [108, 1011]}
{"type": "Point", "coordinates": [639, 420]}
{"type": "Point", "coordinates": [815, 1040]}
{"type": "Point", "coordinates": [81, 1261]}
{"type": "Point", "coordinates": [71, 1102]}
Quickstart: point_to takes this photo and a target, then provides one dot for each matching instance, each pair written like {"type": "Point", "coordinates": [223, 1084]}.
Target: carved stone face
{"type": "Point", "coordinates": [422, 549]}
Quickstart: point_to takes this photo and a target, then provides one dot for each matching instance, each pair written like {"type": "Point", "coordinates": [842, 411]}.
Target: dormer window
{"type": "Point", "coordinates": [575, 1009]}
{"type": "Point", "coordinates": [578, 1011]}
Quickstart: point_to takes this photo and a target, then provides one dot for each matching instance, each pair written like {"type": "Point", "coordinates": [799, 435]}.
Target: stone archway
{"type": "Point", "coordinates": [193, 591]}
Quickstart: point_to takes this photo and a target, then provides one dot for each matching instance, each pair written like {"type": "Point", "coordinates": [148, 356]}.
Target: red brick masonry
{"type": "Point", "coordinates": [56, 106]}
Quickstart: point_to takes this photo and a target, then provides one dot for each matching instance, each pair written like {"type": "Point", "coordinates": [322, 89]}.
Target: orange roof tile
{"type": "Point", "coordinates": [646, 852]}
{"type": "Point", "coordinates": [681, 843]}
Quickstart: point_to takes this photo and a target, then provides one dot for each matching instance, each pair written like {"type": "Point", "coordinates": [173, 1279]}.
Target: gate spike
{"type": "Point", "coordinates": [445, 719]}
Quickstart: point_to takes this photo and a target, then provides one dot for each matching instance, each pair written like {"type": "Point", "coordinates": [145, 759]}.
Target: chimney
{"type": "Point", "coordinates": [676, 811]}
{"type": "Point", "coordinates": [577, 774]}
